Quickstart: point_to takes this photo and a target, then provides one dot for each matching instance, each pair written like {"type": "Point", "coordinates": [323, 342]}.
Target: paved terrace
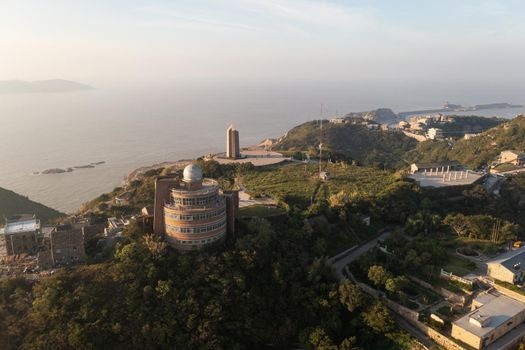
{"type": "Point", "coordinates": [256, 157]}
{"type": "Point", "coordinates": [455, 179]}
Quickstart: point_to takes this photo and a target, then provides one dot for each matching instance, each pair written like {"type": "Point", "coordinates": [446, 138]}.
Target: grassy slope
{"type": "Point", "coordinates": [352, 141]}
{"type": "Point", "coordinates": [12, 203]}
{"type": "Point", "coordinates": [477, 151]}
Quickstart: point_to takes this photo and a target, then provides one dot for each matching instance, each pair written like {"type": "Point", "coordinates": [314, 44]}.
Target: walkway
{"type": "Point", "coordinates": [356, 253]}
{"type": "Point", "coordinates": [245, 199]}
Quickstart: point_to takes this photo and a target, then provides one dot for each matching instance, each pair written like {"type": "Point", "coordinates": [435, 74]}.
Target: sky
{"type": "Point", "coordinates": [123, 42]}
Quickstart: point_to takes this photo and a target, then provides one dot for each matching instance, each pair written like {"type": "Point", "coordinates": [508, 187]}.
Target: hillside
{"type": "Point", "coordinates": [477, 151]}
{"type": "Point", "coordinates": [457, 125]}
{"type": "Point", "coordinates": [350, 142]}
{"type": "Point", "coordinates": [40, 86]}
{"type": "Point", "coordinates": [12, 203]}
{"type": "Point", "coordinates": [380, 115]}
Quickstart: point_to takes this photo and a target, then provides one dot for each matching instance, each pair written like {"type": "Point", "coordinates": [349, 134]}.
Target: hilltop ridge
{"type": "Point", "coordinates": [12, 203]}
{"type": "Point", "coordinates": [41, 86]}
{"type": "Point", "coordinates": [477, 151]}
{"type": "Point", "coordinates": [359, 140]}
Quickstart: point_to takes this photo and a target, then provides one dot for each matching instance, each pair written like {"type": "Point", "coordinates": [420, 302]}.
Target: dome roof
{"type": "Point", "coordinates": [192, 173]}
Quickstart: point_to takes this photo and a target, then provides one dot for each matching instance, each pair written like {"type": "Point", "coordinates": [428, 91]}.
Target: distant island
{"type": "Point", "coordinates": [69, 169]}
{"type": "Point", "coordinates": [450, 107]}
{"type": "Point", "coordinates": [41, 86]}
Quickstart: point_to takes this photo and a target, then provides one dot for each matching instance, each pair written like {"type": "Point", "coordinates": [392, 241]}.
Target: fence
{"type": "Point", "coordinates": [451, 276]}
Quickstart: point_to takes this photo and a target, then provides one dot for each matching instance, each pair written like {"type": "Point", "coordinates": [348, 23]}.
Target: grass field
{"type": "Point", "coordinates": [297, 183]}
{"type": "Point", "coordinates": [459, 266]}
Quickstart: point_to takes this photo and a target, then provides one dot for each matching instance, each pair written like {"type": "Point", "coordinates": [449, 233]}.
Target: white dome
{"type": "Point", "coordinates": [192, 173]}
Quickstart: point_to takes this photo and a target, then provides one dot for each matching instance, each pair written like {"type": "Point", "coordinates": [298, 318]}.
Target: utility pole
{"type": "Point", "coordinates": [321, 143]}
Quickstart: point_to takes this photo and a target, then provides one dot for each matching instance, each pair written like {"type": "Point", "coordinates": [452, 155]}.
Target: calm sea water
{"type": "Point", "coordinates": [128, 128]}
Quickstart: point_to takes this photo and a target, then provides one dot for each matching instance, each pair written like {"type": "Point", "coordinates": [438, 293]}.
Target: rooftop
{"type": "Point", "coordinates": [496, 309]}
{"type": "Point", "coordinates": [439, 181]}
{"type": "Point", "coordinates": [208, 186]}
{"type": "Point", "coordinates": [24, 224]}
{"type": "Point", "coordinates": [513, 260]}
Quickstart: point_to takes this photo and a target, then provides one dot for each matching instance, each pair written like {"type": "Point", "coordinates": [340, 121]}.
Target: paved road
{"type": "Point", "coordinates": [413, 331]}
{"type": "Point", "coordinates": [246, 201]}
{"type": "Point", "coordinates": [340, 265]}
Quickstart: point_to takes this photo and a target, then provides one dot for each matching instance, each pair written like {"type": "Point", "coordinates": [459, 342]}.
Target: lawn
{"type": "Point", "coordinates": [459, 266]}
{"type": "Point", "coordinates": [262, 211]}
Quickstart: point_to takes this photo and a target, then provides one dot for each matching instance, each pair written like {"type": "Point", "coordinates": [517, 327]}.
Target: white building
{"type": "Point", "coordinates": [20, 235]}
{"type": "Point", "coordinates": [435, 134]}
{"type": "Point", "coordinates": [508, 267]}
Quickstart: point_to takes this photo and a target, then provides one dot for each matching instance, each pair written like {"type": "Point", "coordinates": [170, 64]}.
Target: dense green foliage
{"type": "Point", "coordinates": [477, 151]}
{"type": "Point", "coordinates": [266, 289]}
{"type": "Point", "coordinates": [12, 204]}
{"type": "Point", "coordinates": [298, 185]}
{"type": "Point", "coordinates": [350, 142]}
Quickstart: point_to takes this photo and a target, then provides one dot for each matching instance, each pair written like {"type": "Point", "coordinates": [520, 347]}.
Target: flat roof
{"type": "Point", "coordinates": [437, 180]}
{"type": "Point", "coordinates": [21, 226]}
{"type": "Point", "coordinates": [496, 309]}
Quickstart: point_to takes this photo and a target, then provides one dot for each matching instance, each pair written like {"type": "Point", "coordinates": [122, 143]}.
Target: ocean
{"type": "Point", "coordinates": [131, 127]}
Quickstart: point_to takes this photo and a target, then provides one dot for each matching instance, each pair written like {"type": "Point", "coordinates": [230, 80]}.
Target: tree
{"type": "Point", "coordinates": [320, 340]}
{"type": "Point", "coordinates": [458, 223]}
{"type": "Point", "coordinates": [378, 318]}
{"type": "Point", "coordinates": [377, 275]}
{"type": "Point", "coordinates": [396, 284]}
{"type": "Point", "coordinates": [350, 295]}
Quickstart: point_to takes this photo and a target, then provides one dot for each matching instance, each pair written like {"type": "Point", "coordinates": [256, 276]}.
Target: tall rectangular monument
{"type": "Point", "coordinates": [233, 150]}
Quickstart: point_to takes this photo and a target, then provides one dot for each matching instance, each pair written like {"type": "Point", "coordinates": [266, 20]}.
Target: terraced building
{"type": "Point", "coordinates": [196, 212]}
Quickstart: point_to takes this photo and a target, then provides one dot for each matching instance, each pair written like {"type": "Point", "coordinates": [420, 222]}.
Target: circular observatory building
{"type": "Point", "coordinates": [196, 213]}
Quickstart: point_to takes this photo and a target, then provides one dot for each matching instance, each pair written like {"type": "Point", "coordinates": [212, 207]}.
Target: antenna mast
{"type": "Point", "coordinates": [321, 143]}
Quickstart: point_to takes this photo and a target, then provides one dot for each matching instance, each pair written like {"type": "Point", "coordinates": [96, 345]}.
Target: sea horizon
{"type": "Point", "coordinates": [134, 127]}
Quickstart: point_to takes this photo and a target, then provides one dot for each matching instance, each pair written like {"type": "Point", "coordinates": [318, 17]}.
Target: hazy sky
{"type": "Point", "coordinates": [134, 41]}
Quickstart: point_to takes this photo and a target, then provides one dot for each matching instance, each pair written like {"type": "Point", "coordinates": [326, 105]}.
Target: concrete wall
{"type": "Point", "coordinates": [509, 293]}
{"type": "Point", "coordinates": [67, 247]}
{"type": "Point", "coordinates": [466, 337]}
{"type": "Point", "coordinates": [18, 243]}
{"type": "Point", "coordinates": [163, 185]}
{"type": "Point", "coordinates": [439, 338]}
{"type": "Point", "coordinates": [451, 296]}
{"type": "Point", "coordinates": [499, 272]}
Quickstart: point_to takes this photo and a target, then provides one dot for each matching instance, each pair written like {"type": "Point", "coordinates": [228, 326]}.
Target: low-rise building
{"type": "Point", "coordinates": [324, 176]}
{"type": "Point", "coordinates": [512, 157]}
{"type": "Point", "coordinates": [337, 120]}
{"type": "Point", "coordinates": [470, 136]}
{"type": "Point", "coordinates": [115, 226]}
{"type": "Point", "coordinates": [435, 134]}
{"type": "Point", "coordinates": [403, 124]}
{"type": "Point", "coordinates": [19, 235]}
{"type": "Point", "coordinates": [492, 316]}
{"type": "Point", "coordinates": [63, 245]}
{"type": "Point", "coordinates": [508, 267]}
